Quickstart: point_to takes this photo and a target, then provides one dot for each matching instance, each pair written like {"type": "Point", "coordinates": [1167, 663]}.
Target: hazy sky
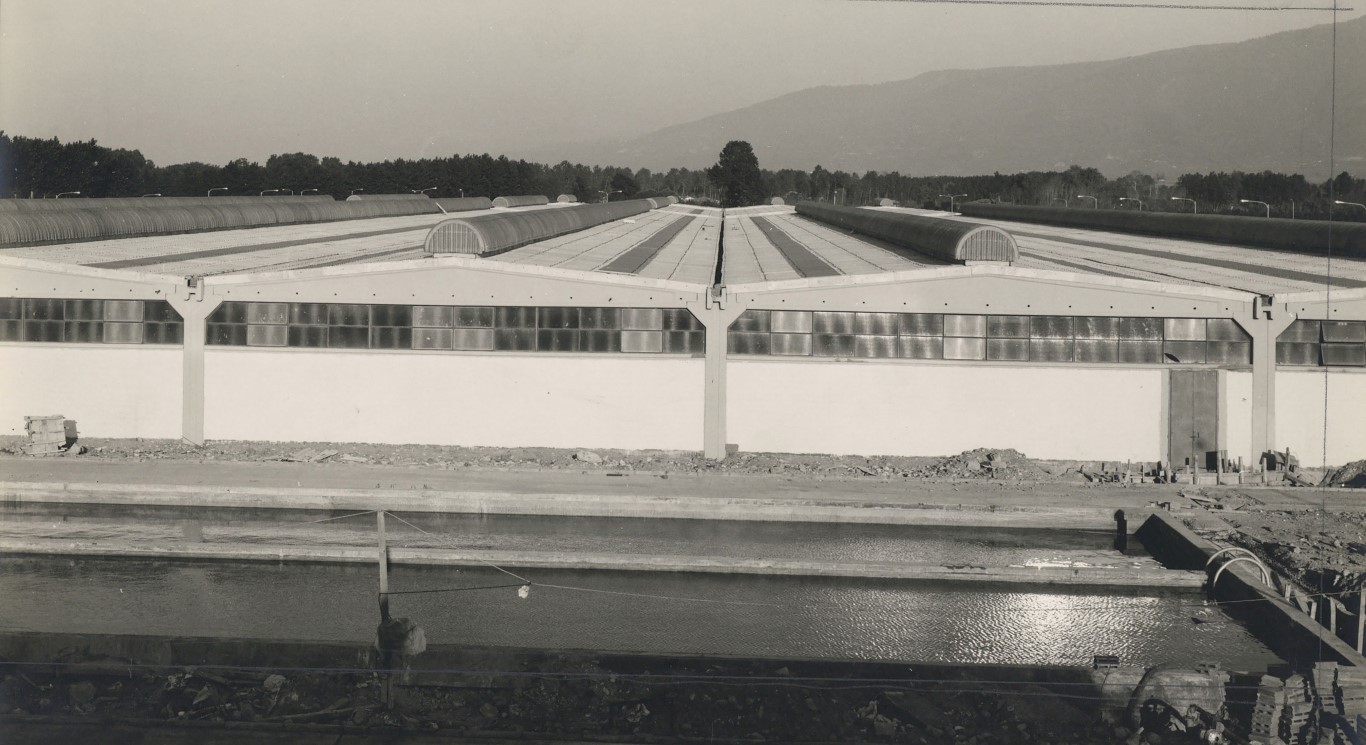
{"type": "Point", "coordinates": [213, 80]}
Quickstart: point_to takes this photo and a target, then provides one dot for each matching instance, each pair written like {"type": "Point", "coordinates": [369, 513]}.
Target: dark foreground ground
{"type": "Point", "coordinates": [525, 696]}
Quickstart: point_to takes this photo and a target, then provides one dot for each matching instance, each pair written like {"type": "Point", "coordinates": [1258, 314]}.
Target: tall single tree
{"type": "Point", "coordinates": [737, 174]}
{"type": "Point", "coordinates": [623, 182]}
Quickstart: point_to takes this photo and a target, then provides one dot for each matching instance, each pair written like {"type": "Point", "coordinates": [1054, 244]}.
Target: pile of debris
{"type": "Point", "coordinates": [985, 463]}
{"type": "Point", "coordinates": [1352, 476]}
{"type": "Point", "coordinates": [50, 435]}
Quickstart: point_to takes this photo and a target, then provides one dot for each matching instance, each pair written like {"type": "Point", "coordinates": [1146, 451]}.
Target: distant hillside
{"type": "Point", "coordinates": [1252, 105]}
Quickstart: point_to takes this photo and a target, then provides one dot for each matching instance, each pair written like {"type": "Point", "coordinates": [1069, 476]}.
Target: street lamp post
{"type": "Point", "coordinates": [1349, 204]}
{"type": "Point", "coordinates": [1133, 199]}
{"type": "Point", "coordinates": [1292, 209]}
{"type": "Point", "coordinates": [951, 198]}
{"type": "Point", "coordinates": [1254, 201]}
{"type": "Point", "coordinates": [305, 191]}
{"type": "Point", "coordinates": [607, 195]}
{"type": "Point", "coordinates": [1195, 209]}
{"type": "Point", "coordinates": [422, 191]}
{"type": "Point", "coordinates": [216, 188]}
{"type": "Point", "coordinates": [1095, 203]}
{"type": "Point", "coordinates": [291, 191]}
{"type": "Point", "coordinates": [65, 193]}
{"type": "Point", "coordinates": [353, 192]}
{"type": "Point", "coordinates": [268, 191]}
{"type": "Point", "coordinates": [151, 195]}
{"type": "Point", "coordinates": [1065, 203]}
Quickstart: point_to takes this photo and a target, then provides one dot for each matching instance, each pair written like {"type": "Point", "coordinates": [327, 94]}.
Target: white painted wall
{"type": "Point", "coordinates": [1235, 418]}
{"type": "Point", "coordinates": [110, 390]}
{"type": "Point", "coordinates": [1300, 412]}
{"type": "Point", "coordinates": [454, 399]}
{"type": "Point", "coordinates": [922, 409]}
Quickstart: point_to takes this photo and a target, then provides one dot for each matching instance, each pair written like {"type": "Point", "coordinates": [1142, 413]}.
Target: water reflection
{"type": "Point", "coordinates": [781, 616]}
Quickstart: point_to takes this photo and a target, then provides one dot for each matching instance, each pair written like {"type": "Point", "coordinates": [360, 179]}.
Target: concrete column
{"type": "Point", "coordinates": [195, 310]}
{"type": "Point", "coordinates": [717, 320]}
{"type": "Point", "coordinates": [1264, 332]}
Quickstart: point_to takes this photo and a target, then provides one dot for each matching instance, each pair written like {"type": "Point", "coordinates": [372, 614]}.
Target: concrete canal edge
{"type": "Point", "coordinates": [1134, 575]}
{"type": "Point", "coordinates": [1290, 633]}
{"type": "Point", "coordinates": [563, 505]}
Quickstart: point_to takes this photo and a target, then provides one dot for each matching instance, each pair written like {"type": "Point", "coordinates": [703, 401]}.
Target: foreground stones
{"type": "Point", "coordinates": [660, 700]}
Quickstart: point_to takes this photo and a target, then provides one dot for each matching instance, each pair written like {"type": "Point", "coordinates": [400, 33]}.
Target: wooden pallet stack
{"type": "Point", "coordinates": [1267, 711]}
{"type": "Point", "coordinates": [46, 434]}
{"type": "Point", "coordinates": [1349, 693]}
{"type": "Point", "coordinates": [1298, 715]}
{"type": "Point", "coordinates": [1349, 697]}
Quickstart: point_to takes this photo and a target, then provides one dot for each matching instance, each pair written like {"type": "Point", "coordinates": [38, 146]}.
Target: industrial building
{"type": "Point", "coordinates": [651, 324]}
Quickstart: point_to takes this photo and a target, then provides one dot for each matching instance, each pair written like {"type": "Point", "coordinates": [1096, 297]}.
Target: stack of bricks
{"type": "Point", "coordinates": [1349, 697]}
{"type": "Point", "coordinates": [1349, 692]}
{"type": "Point", "coordinates": [1298, 714]}
{"type": "Point", "coordinates": [46, 434]}
{"type": "Point", "coordinates": [1267, 711]}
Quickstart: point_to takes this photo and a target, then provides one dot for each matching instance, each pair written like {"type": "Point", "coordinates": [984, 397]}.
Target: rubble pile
{"type": "Point", "coordinates": [1315, 549]}
{"type": "Point", "coordinates": [1352, 476]}
{"type": "Point", "coordinates": [984, 463]}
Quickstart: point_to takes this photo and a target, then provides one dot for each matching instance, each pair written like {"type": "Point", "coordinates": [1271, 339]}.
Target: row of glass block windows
{"type": "Point", "coordinates": [978, 337]}
{"type": "Point", "coordinates": [89, 321]}
{"type": "Point", "coordinates": [999, 327]}
{"type": "Point", "coordinates": [462, 328]}
{"type": "Point", "coordinates": [1323, 344]}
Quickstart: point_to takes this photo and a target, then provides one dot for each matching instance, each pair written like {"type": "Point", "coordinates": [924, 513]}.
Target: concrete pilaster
{"type": "Point", "coordinates": [194, 310]}
{"type": "Point", "coordinates": [717, 319]}
{"type": "Point", "coordinates": [1264, 332]}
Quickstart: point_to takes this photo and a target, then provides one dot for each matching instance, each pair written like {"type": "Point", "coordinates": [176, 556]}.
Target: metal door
{"type": "Point", "coordinates": [1193, 413]}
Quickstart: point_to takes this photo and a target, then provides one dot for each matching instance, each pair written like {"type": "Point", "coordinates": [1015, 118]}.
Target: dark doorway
{"type": "Point", "coordinates": [1193, 417]}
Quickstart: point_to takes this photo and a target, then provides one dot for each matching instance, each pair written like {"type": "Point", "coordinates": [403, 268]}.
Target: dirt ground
{"type": "Point", "coordinates": [1324, 550]}
{"type": "Point", "coordinates": [984, 463]}
{"type": "Point", "coordinates": [719, 701]}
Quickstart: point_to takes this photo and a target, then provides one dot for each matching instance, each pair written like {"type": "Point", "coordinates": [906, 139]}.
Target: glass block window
{"type": "Point", "coordinates": [89, 321]}
{"type": "Point", "coordinates": [457, 328]}
{"type": "Point", "coordinates": [1322, 344]}
{"type": "Point", "coordinates": [1014, 338]}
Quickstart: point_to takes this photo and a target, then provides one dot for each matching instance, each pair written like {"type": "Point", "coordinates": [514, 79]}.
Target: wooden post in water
{"type": "Point", "coordinates": [383, 565]}
{"type": "Point", "coordinates": [386, 677]}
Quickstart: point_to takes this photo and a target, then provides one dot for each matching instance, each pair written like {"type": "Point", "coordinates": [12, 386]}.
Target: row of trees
{"type": "Point", "coordinates": [1214, 193]}
{"type": "Point", "coordinates": [46, 167]}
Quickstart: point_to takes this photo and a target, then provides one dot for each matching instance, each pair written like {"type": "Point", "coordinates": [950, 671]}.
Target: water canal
{"type": "Point", "coordinates": [654, 612]}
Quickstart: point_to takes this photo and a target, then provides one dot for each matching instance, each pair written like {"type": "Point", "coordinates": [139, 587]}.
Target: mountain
{"type": "Point", "coordinates": [1250, 105]}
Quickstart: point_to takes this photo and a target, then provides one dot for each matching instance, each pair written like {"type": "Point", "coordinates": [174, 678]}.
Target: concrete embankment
{"type": "Point", "coordinates": [1099, 570]}
{"type": "Point", "coordinates": [1288, 631]}
{"type": "Point", "coordinates": [820, 504]}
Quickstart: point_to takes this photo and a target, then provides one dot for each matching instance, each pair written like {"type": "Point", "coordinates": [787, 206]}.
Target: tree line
{"type": "Point", "coordinates": [45, 167]}
{"type": "Point", "coordinates": [1286, 195]}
